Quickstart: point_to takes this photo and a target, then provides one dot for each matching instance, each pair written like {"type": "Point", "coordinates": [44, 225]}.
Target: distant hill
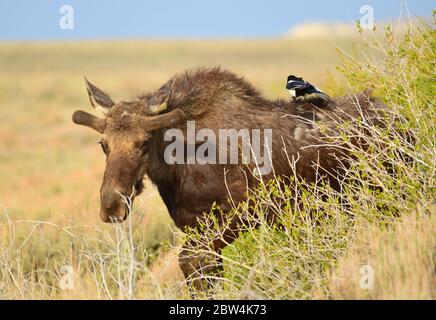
{"type": "Point", "coordinates": [322, 30]}
{"type": "Point", "coordinates": [319, 29]}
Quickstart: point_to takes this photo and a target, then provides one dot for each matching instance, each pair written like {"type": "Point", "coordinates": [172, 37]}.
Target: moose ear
{"type": "Point", "coordinates": [98, 96]}
{"type": "Point", "coordinates": [85, 119]}
{"type": "Point", "coordinates": [158, 108]}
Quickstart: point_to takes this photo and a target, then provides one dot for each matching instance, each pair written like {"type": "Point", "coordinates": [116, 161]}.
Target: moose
{"type": "Point", "coordinates": [134, 141]}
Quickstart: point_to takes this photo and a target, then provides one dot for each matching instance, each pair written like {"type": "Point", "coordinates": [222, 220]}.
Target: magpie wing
{"type": "Point", "coordinates": [298, 85]}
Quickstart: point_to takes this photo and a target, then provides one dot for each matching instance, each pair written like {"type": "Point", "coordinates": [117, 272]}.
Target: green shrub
{"type": "Point", "coordinates": [393, 178]}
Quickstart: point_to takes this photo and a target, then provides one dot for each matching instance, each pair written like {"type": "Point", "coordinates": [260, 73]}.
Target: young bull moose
{"type": "Point", "coordinates": [134, 141]}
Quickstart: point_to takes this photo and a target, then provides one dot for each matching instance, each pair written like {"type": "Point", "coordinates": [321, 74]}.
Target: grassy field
{"type": "Point", "coordinates": [51, 169]}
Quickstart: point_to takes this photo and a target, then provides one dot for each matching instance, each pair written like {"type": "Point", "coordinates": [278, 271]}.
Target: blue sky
{"type": "Point", "coordinates": [100, 19]}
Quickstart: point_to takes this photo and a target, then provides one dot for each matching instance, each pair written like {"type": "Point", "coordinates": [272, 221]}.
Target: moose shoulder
{"type": "Point", "coordinates": [136, 135]}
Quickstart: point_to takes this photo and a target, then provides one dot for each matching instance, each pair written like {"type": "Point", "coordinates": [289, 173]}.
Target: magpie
{"type": "Point", "coordinates": [303, 91]}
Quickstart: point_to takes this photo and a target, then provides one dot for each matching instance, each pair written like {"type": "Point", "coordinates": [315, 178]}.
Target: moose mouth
{"type": "Point", "coordinates": [117, 210]}
{"type": "Point", "coordinates": [116, 206]}
{"type": "Point", "coordinates": [116, 213]}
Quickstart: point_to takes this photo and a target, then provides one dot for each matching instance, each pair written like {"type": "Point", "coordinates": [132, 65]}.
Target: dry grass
{"type": "Point", "coordinates": [402, 261]}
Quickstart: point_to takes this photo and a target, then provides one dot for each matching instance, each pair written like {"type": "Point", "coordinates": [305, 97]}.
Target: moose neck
{"type": "Point", "coordinates": [161, 174]}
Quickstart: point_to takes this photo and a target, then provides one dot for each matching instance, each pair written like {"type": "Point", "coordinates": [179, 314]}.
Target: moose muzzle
{"type": "Point", "coordinates": [118, 189]}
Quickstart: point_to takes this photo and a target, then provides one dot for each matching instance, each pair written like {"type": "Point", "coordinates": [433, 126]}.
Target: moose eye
{"type": "Point", "coordinates": [104, 146]}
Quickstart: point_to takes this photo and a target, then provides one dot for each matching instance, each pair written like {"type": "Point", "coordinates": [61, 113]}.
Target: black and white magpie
{"type": "Point", "coordinates": [301, 90]}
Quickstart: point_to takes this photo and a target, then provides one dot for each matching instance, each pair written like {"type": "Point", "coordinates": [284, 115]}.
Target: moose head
{"type": "Point", "coordinates": [127, 132]}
